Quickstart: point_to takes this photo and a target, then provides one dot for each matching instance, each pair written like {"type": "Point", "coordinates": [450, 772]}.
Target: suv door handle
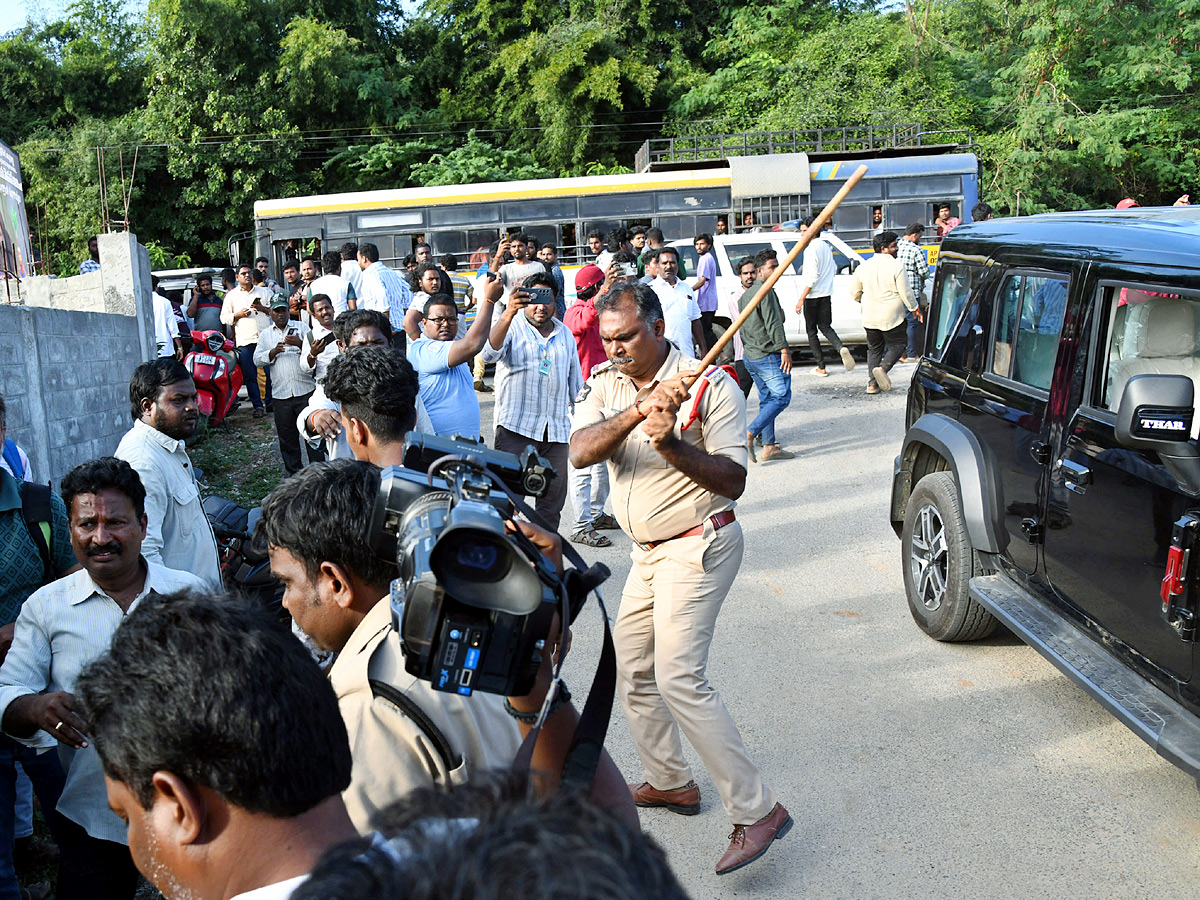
{"type": "Point", "coordinates": [1076, 477]}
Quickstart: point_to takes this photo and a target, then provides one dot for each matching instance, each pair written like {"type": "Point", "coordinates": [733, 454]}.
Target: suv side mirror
{"type": "Point", "coordinates": [1156, 414]}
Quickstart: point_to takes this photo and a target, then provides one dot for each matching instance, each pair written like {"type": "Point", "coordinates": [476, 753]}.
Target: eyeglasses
{"type": "Point", "coordinates": [441, 320]}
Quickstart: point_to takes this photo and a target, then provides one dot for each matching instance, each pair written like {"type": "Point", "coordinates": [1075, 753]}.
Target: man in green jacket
{"type": "Point", "coordinates": [767, 359]}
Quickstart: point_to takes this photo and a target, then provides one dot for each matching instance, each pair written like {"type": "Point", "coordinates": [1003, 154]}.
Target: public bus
{"type": "Point", "coordinates": [749, 193]}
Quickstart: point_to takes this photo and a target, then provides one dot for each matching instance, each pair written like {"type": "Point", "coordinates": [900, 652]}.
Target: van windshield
{"type": "Point", "coordinates": [741, 250]}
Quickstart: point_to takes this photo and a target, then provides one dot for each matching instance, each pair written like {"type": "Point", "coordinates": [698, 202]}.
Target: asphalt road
{"type": "Point", "coordinates": [912, 768]}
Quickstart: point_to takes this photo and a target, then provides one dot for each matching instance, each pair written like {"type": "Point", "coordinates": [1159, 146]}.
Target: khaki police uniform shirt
{"type": "Point", "coordinates": [653, 500]}
{"type": "Point", "coordinates": [392, 754]}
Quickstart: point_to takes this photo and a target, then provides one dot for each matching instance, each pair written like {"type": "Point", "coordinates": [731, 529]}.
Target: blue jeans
{"type": "Point", "coordinates": [911, 350]}
{"type": "Point", "coordinates": [250, 375]}
{"type": "Point", "coordinates": [774, 394]}
{"type": "Point", "coordinates": [47, 776]}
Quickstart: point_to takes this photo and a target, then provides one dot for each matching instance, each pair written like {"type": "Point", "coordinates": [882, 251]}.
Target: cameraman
{"type": "Point", "coordinates": [403, 733]}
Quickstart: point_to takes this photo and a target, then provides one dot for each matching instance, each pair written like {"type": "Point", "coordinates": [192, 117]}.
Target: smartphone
{"type": "Point", "coordinates": [541, 295]}
{"type": "Point", "coordinates": [628, 270]}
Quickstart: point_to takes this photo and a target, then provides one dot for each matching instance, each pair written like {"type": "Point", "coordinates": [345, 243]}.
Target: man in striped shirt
{"type": "Point", "coordinates": [916, 269]}
{"type": "Point", "coordinates": [537, 375]}
{"type": "Point", "coordinates": [382, 289]}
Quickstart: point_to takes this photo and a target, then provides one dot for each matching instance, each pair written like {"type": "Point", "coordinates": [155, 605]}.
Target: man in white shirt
{"type": "Point", "coordinates": [166, 327]}
{"type": "Point", "coordinates": [320, 345]}
{"type": "Point", "coordinates": [681, 312]}
{"type": "Point", "coordinates": [245, 309]}
{"type": "Point", "coordinates": [219, 803]}
{"type": "Point", "coordinates": [63, 627]}
{"type": "Point", "coordinates": [350, 269]}
{"type": "Point", "coordinates": [280, 345]}
{"type": "Point", "coordinates": [816, 299]}
{"type": "Point", "coordinates": [333, 285]}
{"type": "Point", "coordinates": [513, 273]}
{"type": "Point", "coordinates": [163, 406]}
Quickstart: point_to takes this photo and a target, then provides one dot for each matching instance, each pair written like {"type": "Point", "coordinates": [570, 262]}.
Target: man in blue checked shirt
{"type": "Point", "coordinates": [383, 290]}
{"type": "Point", "coordinates": [916, 270]}
{"type": "Point", "coordinates": [537, 378]}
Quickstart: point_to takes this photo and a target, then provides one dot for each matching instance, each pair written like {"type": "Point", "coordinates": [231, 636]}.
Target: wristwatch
{"type": "Point", "coordinates": [529, 718]}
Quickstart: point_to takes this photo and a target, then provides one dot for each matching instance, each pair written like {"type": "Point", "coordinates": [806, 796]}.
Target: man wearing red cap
{"type": "Point", "coordinates": [589, 486]}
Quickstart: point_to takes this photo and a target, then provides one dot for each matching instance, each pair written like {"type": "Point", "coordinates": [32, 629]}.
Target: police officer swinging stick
{"type": "Point", "coordinates": [674, 490]}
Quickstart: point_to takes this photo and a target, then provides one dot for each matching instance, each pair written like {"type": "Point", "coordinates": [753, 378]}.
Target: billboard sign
{"type": "Point", "coordinates": [16, 259]}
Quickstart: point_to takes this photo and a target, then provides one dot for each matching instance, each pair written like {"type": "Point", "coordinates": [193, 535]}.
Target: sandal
{"type": "Point", "coordinates": [604, 520]}
{"type": "Point", "coordinates": [590, 537]}
{"type": "Point", "coordinates": [259, 412]}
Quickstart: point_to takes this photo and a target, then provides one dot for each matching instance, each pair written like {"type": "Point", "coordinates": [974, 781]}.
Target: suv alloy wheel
{"type": "Point", "coordinates": [939, 562]}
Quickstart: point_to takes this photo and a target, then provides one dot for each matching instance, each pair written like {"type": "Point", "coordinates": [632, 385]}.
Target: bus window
{"type": "Point", "coordinates": [852, 218]}
{"type": "Point", "coordinates": [901, 215]}
{"type": "Point", "coordinates": [604, 205]}
{"type": "Point", "coordinates": [926, 186]}
{"type": "Point", "coordinates": [546, 208]}
{"type": "Point", "coordinates": [823, 191]}
{"type": "Point", "coordinates": [465, 214]}
{"type": "Point", "coordinates": [545, 234]}
{"type": "Point", "coordinates": [448, 242]}
{"type": "Point", "coordinates": [676, 228]}
{"type": "Point", "coordinates": [686, 201]}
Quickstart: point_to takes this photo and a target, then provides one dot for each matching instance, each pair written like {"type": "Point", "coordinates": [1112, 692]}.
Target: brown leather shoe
{"type": "Point", "coordinates": [748, 842]}
{"type": "Point", "coordinates": [684, 800]}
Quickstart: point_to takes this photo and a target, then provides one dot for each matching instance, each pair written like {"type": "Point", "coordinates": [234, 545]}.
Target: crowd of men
{"type": "Point", "coordinates": [201, 745]}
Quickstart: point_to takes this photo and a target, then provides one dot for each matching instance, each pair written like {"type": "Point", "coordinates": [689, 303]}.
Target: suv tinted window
{"type": "Point", "coordinates": [957, 280]}
{"type": "Point", "coordinates": [1153, 331]}
{"type": "Point", "coordinates": [1029, 317]}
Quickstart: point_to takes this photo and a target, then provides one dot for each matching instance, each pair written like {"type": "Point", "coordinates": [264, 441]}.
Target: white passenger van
{"type": "Point", "coordinates": [732, 248]}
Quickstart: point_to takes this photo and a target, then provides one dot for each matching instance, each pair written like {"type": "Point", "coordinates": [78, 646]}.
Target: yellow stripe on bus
{"type": "Point", "coordinates": [315, 205]}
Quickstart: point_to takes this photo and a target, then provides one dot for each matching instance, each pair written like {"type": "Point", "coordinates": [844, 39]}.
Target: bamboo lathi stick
{"type": "Point", "coordinates": [804, 241]}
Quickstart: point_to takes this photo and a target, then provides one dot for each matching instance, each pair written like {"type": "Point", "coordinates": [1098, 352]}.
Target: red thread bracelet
{"type": "Point", "coordinates": [638, 409]}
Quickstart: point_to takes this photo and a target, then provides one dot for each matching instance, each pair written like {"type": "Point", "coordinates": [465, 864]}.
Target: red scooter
{"type": "Point", "coordinates": [217, 375]}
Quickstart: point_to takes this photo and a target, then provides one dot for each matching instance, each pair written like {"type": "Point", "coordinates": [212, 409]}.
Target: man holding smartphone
{"type": "Point", "coordinates": [280, 346]}
{"type": "Point", "coordinates": [537, 375]}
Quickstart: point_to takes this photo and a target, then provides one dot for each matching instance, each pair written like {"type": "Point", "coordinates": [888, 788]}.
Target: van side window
{"type": "Point", "coordinates": [1029, 317]}
{"type": "Point", "coordinates": [1153, 332]}
{"type": "Point", "coordinates": [954, 290]}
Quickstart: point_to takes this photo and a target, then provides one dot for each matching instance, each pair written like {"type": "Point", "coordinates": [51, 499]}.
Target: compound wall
{"type": "Point", "coordinates": [66, 358]}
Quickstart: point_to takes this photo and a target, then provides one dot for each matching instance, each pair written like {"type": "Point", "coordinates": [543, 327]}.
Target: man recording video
{"type": "Point", "coordinates": [403, 734]}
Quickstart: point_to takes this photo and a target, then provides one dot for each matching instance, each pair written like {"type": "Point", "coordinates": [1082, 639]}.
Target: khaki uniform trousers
{"type": "Point", "coordinates": [662, 634]}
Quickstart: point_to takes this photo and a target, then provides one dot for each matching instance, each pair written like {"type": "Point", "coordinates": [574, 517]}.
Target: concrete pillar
{"type": "Point", "coordinates": [125, 269]}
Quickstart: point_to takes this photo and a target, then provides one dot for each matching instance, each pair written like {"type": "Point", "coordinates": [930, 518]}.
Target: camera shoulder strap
{"type": "Point", "coordinates": [587, 746]}
{"type": "Point", "coordinates": [450, 759]}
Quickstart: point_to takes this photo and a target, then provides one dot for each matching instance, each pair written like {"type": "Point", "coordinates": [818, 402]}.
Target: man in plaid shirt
{"type": "Point", "coordinates": [916, 270]}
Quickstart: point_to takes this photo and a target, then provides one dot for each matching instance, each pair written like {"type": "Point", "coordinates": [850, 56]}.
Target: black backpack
{"type": "Point", "coordinates": [35, 511]}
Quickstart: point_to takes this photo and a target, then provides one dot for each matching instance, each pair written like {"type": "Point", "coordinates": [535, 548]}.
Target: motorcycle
{"type": "Point", "coordinates": [218, 377]}
{"type": "Point", "coordinates": [245, 566]}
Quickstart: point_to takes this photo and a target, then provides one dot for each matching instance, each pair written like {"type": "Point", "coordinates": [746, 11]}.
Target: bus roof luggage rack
{"type": "Point", "coordinates": [659, 154]}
